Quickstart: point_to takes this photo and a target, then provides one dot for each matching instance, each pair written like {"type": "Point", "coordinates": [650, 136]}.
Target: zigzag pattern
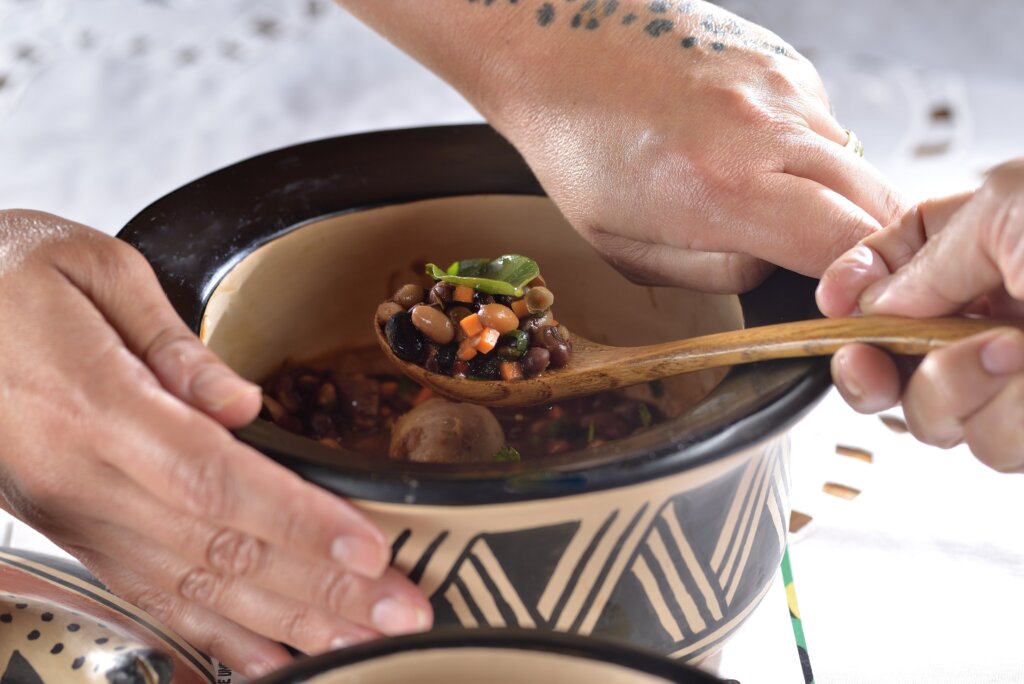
{"type": "Point", "coordinates": [690, 595]}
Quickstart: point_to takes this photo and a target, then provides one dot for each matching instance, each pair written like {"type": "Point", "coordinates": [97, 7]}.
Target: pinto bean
{"type": "Point", "coordinates": [386, 310]}
{"type": "Point", "coordinates": [499, 317]}
{"type": "Point", "coordinates": [433, 323]}
{"type": "Point", "coordinates": [408, 296]}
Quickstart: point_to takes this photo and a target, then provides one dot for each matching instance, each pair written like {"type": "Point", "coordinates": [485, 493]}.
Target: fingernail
{"type": "Point", "coordinates": [218, 388]}
{"type": "Point", "coordinates": [359, 555]}
{"type": "Point", "coordinates": [1004, 353]}
{"type": "Point", "coordinates": [340, 642]}
{"type": "Point", "coordinates": [257, 669]}
{"type": "Point", "coordinates": [394, 616]}
{"type": "Point", "coordinates": [841, 372]}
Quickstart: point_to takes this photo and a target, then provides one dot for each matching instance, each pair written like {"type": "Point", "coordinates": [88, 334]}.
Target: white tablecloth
{"type": "Point", "coordinates": [105, 106]}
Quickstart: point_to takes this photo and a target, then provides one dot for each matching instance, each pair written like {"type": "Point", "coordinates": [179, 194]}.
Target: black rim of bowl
{"type": "Point", "coordinates": [586, 648]}
{"type": "Point", "coordinates": [195, 235]}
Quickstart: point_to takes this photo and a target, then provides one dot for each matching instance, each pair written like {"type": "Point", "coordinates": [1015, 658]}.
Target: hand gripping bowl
{"type": "Point", "coordinates": [502, 656]}
{"type": "Point", "coordinates": [667, 538]}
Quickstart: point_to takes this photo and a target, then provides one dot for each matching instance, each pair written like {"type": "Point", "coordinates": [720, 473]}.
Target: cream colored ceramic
{"type": "Point", "coordinates": [675, 561]}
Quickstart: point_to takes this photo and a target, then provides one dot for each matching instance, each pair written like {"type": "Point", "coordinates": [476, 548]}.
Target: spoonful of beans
{"type": "Point", "coordinates": [509, 349]}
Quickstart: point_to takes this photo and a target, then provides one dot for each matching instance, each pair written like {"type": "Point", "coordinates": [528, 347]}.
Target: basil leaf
{"type": "Point", "coordinates": [505, 275]}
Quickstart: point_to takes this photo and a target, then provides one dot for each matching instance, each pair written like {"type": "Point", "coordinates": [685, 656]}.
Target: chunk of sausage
{"type": "Point", "coordinates": [440, 431]}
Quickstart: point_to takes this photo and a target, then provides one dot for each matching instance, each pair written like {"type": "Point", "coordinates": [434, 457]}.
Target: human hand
{"type": "Point", "coordinates": [958, 254]}
{"type": "Point", "coordinates": [114, 445]}
{"type": "Point", "coordinates": [689, 146]}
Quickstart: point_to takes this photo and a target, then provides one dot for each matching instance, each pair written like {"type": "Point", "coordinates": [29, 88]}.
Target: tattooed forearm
{"type": "Point", "coordinates": [655, 19]}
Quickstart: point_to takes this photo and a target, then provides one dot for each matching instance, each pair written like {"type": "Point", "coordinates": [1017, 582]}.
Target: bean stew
{"type": "Point", "coordinates": [482, 319]}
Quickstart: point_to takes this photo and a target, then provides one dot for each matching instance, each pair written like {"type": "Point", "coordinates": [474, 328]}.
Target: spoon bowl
{"type": "Point", "coordinates": [596, 367]}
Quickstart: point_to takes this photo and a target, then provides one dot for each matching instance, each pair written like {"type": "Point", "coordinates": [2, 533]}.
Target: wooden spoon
{"type": "Point", "coordinates": [597, 367]}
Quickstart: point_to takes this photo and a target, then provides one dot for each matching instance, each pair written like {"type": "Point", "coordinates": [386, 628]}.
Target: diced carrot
{"type": "Point", "coordinates": [488, 339]}
{"type": "Point", "coordinates": [467, 348]}
{"type": "Point", "coordinates": [556, 412]}
{"type": "Point", "coordinates": [463, 294]}
{"type": "Point", "coordinates": [388, 389]}
{"type": "Point", "coordinates": [520, 309]}
{"type": "Point", "coordinates": [471, 325]}
{"type": "Point", "coordinates": [510, 370]}
{"type": "Point", "coordinates": [424, 394]}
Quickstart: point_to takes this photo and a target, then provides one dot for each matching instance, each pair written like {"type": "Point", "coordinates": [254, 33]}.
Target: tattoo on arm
{"type": "Point", "coordinates": [658, 20]}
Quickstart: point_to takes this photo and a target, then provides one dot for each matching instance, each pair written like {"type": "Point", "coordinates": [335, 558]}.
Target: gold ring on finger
{"type": "Point", "coordinates": [853, 143]}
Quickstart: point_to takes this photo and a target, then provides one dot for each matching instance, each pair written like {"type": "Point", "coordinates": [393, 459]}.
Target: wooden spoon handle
{"type": "Point", "coordinates": [915, 336]}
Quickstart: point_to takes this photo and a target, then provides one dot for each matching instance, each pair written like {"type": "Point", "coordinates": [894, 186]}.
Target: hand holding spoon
{"type": "Point", "coordinates": [597, 367]}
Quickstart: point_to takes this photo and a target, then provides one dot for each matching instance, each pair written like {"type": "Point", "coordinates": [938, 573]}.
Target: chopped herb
{"type": "Point", "coordinates": [645, 415]}
{"type": "Point", "coordinates": [506, 454]}
{"type": "Point", "coordinates": [591, 432]}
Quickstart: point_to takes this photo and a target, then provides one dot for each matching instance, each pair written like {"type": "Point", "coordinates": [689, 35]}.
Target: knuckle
{"type": "Point", "coordinates": [339, 590]}
{"type": "Point", "coordinates": [157, 603]}
{"type": "Point", "coordinates": [743, 273]}
{"type": "Point", "coordinates": [1006, 242]}
{"type": "Point", "coordinates": [201, 484]}
{"type": "Point", "coordinates": [297, 625]}
{"type": "Point", "coordinates": [173, 344]}
{"type": "Point", "coordinates": [199, 585]}
{"type": "Point", "coordinates": [116, 259]}
{"type": "Point", "coordinates": [235, 553]}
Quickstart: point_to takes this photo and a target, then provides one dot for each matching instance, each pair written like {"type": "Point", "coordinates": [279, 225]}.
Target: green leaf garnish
{"type": "Point", "coordinates": [505, 275]}
{"type": "Point", "coordinates": [506, 454]}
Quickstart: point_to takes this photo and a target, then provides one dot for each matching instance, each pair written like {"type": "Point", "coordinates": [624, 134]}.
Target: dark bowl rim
{"type": "Point", "coordinates": [586, 648]}
{"type": "Point", "coordinates": [196, 234]}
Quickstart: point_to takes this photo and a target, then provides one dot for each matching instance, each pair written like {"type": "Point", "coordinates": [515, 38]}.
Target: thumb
{"type": "Point", "coordinates": [980, 249]}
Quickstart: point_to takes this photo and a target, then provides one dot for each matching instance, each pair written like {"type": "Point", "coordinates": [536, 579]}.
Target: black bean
{"type": "Point", "coordinates": [441, 295]}
{"type": "Point", "coordinates": [439, 359]}
{"type": "Point", "coordinates": [536, 361]}
{"type": "Point", "coordinates": [321, 424]}
{"type": "Point", "coordinates": [481, 298]}
{"type": "Point", "coordinates": [484, 367]}
{"type": "Point", "coordinates": [549, 338]}
{"type": "Point", "coordinates": [403, 337]}
{"type": "Point", "coordinates": [560, 356]}
{"type": "Point", "coordinates": [504, 300]}
{"type": "Point", "coordinates": [446, 357]}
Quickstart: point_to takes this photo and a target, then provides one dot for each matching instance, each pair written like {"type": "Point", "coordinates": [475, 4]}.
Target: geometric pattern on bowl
{"type": "Point", "coordinates": [654, 569]}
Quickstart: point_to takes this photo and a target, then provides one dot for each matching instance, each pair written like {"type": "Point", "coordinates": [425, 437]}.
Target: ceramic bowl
{"type": "Point", "coordinates": [493, 656]}
{"type": "Point", "coordinates": [668, 538]}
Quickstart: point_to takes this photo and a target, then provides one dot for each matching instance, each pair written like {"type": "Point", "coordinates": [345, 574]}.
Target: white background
{"type": "Point", "coordinates": [105, 106]}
